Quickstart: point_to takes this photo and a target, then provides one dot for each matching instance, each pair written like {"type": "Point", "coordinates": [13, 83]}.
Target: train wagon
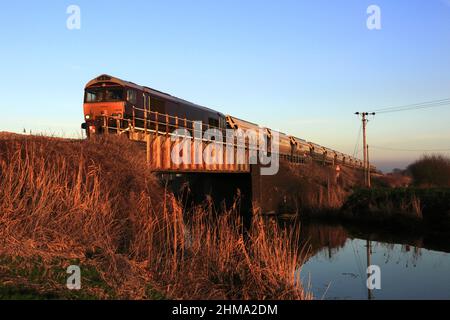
{"type": "Point", "coordinates": [300, 149]}
{"type": "Point", "coordinates": [317, 151]}
{"type": "Point", "coordinates": [330, 155]}
{"type": "Point", "coordinates": [340, 157]}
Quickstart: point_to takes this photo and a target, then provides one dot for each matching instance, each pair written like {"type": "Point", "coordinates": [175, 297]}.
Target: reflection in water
{"type": "Point", "coordinates": [336, 265]}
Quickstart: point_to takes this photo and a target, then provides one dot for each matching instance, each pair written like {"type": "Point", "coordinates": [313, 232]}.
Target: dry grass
{"type": "Point", "coordinates": [315, 189]}
{"type": "Point", "coordinates": [94, 201]}
{"type": "Point", "coordinates": [225, 264]}
{"type": "Point", "coordinates": [392, 180]}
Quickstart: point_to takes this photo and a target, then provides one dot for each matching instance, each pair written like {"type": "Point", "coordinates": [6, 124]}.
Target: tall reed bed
{"type": "Point", "coordinates": [96, 202]}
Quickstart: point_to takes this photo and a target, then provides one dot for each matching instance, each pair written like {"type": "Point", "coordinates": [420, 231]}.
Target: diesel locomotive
{"type": "Point", "coordinates": [122, 102]}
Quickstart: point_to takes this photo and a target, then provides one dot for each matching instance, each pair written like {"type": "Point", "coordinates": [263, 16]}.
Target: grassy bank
{"type": "Point", "coordinates": [311, 189]}
{"type": "Point", "coordinates": [413, 207]}
{"type": "Point", "coordinates": [93, 203]}
{"type": "Point", "coordinates": [31, 278]}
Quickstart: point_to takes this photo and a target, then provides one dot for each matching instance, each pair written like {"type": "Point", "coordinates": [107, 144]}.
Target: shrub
{"type": "Point", "coordinates": [431, 171]}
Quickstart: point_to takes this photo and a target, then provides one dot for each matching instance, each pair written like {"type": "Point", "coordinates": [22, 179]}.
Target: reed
{"type": "Point", "coordinates": [95, 202]}
{"type": "Point", "coordinates": [429, 205]}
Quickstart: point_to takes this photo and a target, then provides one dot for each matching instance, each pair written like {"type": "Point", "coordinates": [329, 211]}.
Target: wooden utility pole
{"type": "Point", "coordinates": [365, 147]}
{"type": "Point", "coordinates": [364, 124]}
{"type": "Point", "coordinates": [369, 183]}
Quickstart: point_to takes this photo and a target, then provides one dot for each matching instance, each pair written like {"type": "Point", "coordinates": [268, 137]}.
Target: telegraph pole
{"type": "Point", "coordinates": [364, 124]}
{"type": "Point", "coordinates": [365, 147]}
{"type": "Point", "coordinates": [367, 183]}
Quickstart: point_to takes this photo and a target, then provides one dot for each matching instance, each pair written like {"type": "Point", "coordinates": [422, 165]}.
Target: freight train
{"type": "Point", "coordinates": [122, 102]}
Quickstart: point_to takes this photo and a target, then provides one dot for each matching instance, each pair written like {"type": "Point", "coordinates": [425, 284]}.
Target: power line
{"type": "Point", "coordinates": [410, 150]}
{"type": "Point", "coordinates": [415, 106]}
{"type": "Point", "coordinates": [408, 107]}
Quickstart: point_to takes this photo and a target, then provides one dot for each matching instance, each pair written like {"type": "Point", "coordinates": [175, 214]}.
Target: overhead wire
{"type": "Point", "coordinates": [410, 150]}
{"type": "Point", "coordinates": [415, 106]}
{"type": "Point", "coordinates": [410, 107]}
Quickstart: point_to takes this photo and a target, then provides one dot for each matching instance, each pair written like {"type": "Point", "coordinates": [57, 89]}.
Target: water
{"type": "Point", "coordinates": [411, 268]}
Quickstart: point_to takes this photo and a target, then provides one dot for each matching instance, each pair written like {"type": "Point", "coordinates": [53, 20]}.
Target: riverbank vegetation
{"type": "Point", "coordinates": [425, 202]}
{"type": "Point", "coordinates": [313, 189]}
{"type": "Point", "coordinates": [430, 171]}
{"type": "Point", "coordinates": [403, 206]}
{"type": "Point", "coordinates": [94, 204]}
{"type": "Point", "coordinates": [414, 199]}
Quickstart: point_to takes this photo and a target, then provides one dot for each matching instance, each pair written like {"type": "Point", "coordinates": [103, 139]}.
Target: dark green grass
{"type": "Point", "coordinates": [31, 279]}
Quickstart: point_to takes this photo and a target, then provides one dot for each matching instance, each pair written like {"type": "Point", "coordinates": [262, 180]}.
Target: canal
{"type": "Point", "coordinates": [412, 267]}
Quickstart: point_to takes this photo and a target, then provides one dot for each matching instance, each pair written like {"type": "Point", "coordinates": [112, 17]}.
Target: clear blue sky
{"type": "Point", "coordinates": [302, 67]}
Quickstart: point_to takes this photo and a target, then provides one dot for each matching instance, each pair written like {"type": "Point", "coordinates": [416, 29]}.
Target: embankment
{"type": "Point", "coordinates": [413, 208]}
{"type": "Point", "coordinates": [94, 204]}
{"type": "Point", "coordinates": [309, 190]}
{"type": "Point", "coordinates": [315, 192]}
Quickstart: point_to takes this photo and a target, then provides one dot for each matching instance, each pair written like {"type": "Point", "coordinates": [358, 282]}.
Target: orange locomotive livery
{"type": "Point", "coordinates": [120, 101]}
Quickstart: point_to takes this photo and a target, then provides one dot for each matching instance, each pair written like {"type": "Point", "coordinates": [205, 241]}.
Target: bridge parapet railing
{"type": "Point", "coordinates": [150, 126]}
{"type": "Point", "coordinates": [157, 124]}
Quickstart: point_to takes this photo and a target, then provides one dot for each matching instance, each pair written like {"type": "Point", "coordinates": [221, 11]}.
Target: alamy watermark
{"type": "Point", "coordinates": [374, 277]}
{"type": "Point", "coordinates": [374, 19]}
{"type": "Point", "coordinates": [73, 21]}
{"type": "Point", "coordinates": [236, 147]}
{"type": "Point", "coordinates": [74, 280]}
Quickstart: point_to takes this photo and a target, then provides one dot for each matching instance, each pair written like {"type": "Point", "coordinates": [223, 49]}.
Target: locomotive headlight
{"type": "Point", "coordinates": [88, 117]}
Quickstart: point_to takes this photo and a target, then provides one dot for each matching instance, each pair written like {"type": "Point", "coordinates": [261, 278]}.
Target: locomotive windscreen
{"type": "Point", "coordinates": [104, 94]}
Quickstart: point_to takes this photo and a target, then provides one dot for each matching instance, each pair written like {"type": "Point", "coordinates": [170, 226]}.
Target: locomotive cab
{"type": "Point", "coordinates": [108, 100]}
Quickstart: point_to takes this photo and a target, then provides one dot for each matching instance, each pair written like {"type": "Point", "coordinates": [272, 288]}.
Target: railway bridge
{"type": "Point", "coordinates": [178, 150]}
{"type": "Point", "coordinates": [184, 140]}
